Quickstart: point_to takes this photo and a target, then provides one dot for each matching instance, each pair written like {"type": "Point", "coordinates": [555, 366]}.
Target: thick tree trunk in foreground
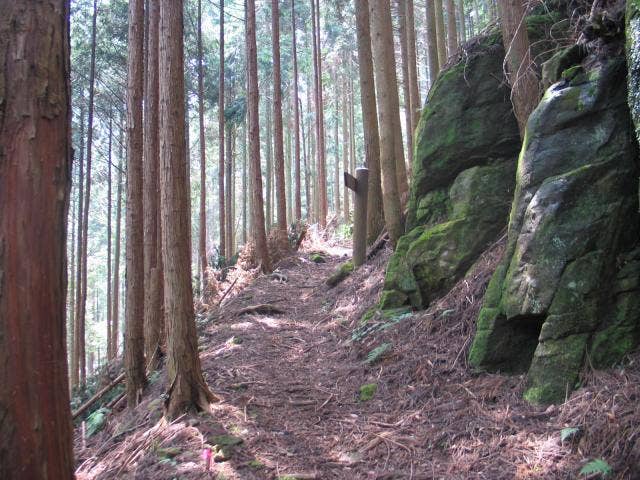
{"type": "Point", "coordinates": [153, 318]}
{"type": "Point", "coordinates": [278, 143]}
{"type": "Point", "coordinates": [525, 91]}
{"type": "Point", "coordinates": [188, 389]}
{"type": "Point", "coordinates": [260, 238]}
{"type": "Point", "coordinates": [375, 217]}
{"type": "Point", "coordinates": [387, 88]}
{"type": "Point", "coordinates": [134, 363]}
{"type": "Point", "coordinates": [35, 180]}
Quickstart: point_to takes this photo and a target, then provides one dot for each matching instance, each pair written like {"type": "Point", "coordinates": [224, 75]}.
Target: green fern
{"type": "Point", "coordinates": [568, 432]}
{"type": "Point", "coordinates": [597, 466]}
{"type": "Point", "coordinates": [377, 353]}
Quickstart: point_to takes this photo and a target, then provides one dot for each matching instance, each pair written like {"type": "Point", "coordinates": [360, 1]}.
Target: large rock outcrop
{"type": "Point", "coordinates": [568, 287]}
{"type": "Point", "coordinates": [633, 60]}
{"type": "Point", "coordinates": [467, 143]}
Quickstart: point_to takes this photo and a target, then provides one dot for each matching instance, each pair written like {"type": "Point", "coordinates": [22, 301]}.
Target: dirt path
{"type": "Point", "coordinates": [290, 387]}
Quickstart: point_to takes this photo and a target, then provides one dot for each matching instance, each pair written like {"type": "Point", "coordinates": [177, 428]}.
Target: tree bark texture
{"type": "Point", "coordinates": [432, 42]}
{"type": "Point", "coordinates": [221, 122]}
{"type": "Point", "coordinates": [134, 363]}
{"type": "Point", "coordinates": [296, 117]}
{"type": "Point", "coordinates": [153, 313]}
{"type": "Point", "coordinates": [187, 389]}
{"type": "Point", "coordinates": [387, 89]}
{"type": "Point", "coordinates": [375, 217]}
{"type": "Point", "coordinates": [35, 180]}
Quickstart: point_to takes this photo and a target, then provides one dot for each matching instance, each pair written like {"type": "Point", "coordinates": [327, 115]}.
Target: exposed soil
{"type": "Point", "coordinates": [290, 384]}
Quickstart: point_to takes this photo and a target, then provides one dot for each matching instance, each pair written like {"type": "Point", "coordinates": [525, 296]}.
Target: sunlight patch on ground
{"type": "Point", "coordinates": [269, 321]}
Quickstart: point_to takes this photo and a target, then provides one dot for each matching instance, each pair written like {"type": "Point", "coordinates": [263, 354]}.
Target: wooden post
{"type": "Point", "coordinates": [360, 185]}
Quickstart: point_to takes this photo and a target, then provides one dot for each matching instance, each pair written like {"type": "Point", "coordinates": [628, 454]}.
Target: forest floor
{"type": "Point", "coordinates": [291, 405]}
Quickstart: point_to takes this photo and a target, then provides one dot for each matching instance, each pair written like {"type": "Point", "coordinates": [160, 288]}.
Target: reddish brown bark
{"type": "Point", "coordinates": [221, 199]}
{"type": "Point", "coordinates": [134, 323]}
{"type": "Point", "coordinates": [35, 179]}
{"type": "Point", "coordinates": [296, 117]}
{"type": "Point", "coordinates": [187, 389]}
{"type": "Point", "coordinates": [115, 311]}
{"type": "Point", "coordinates": [319, 104]}
{"type": "Point", "coordinates": [375, 218]}
{"type": "Point", "coordinates": [153, 317]}
{"type": "Point", "coordinates": [257, 205]}
{"type": "Point", "coordinates": [278, 142]}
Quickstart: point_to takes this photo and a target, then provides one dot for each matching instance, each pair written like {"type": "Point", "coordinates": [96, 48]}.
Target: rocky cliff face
{"type": "Point", "coordinates": [569, 284]}
{"type": "Point", "coordinates": [633, 59]}
{"type": "Point", "coordinates": [466, 148]}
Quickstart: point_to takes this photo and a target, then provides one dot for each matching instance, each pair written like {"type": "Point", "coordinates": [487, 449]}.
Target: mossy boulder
{"type": "Point", "coordinates": [467, 143]}
{"type": "Point", "coordinates": [568, 283]}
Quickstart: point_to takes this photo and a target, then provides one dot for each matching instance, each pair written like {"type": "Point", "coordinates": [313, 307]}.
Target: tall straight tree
{"type": "Point", "coordinates": [153, 319]}
{"type": "Point", "coordinates": [319, 104]}
{"type": "Point", "coordinates": [346, 144]}
{"type": "Point", "coordinates": [221, 208]}
{"type": "Point", "coordinates": [452, 32]}
{"type": "Point", "coordinates": [404, 54]}
{"type": "Point", "coordinates": [35, 168]}
{"type": "Point", "coordinates": [202, 237]}
{"type": "Point", "coordinates": [187, 388]}
{"type": "Point", "coordinates": [432, 42]}
{"type": "Point", "coordinates": [296, 117]}
{"type": "Point", "coordinates": [109, 271]}
{"type": "Point", "coordinates": [375, 218]}
{"type": "Point", "coordinates": [278, 145]}
{"type": "Point", "coordinates": [80, 322]}
{"type": "Point", "coordinates": [387, 88]}
{"type": "Point", "coordinates": [134, 310]}
{"type": "Point", "coordinates": [525, 91]}
{"type": "Point", "coordinates": [115, 309]}
{"type": "Point", "coordinates": [440, 33]}
{"type": "Point", "coordinates": [414, 93]}
{"type": "Point", "coordinates": [257, 205]}
{"type": "Point", "coordinates": [75, 344]}
{"type": "Point", "coordinates": [463, 27]}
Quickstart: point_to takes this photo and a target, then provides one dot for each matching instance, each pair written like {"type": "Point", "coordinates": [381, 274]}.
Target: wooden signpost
{"type": "Point", "coordinates": [360, 185]}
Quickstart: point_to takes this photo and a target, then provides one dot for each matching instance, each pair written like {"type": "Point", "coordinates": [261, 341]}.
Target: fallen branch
{"type": "Point", "coordinates": [380, 242]}
{"type": "Point", "coordinates": [227, 291]}
{"type": "Point", "coordinates": [263, 308]}
{"type": "Point", "coordinates": [83, 408]}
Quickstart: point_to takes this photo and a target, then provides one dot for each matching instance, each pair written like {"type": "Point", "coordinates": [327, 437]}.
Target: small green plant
{"type": "Point", "coordinates": [368, 391]}
{"type": "Point", "coordinates": [317, 258]}
{"type": "Point", "coordinates": [377, 353]}
{"type": "Point", "coordinates": [97, 420]}
{"type": "Point", "coordinates": [597, 467]}
{"type": "Point", "coordinates": [256, 465]}
{"type": "Point", "coordinates": [567, 433]}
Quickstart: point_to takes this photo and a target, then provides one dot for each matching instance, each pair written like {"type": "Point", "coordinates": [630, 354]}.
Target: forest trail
{"type": "Point", "coordinates": [289, 382]}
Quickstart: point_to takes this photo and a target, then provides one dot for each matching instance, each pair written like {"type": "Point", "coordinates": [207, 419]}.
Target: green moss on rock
{"type": "Point", "coordinates": [568, 283]}
{"type": "Point", "coordinates": [342, 272]}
